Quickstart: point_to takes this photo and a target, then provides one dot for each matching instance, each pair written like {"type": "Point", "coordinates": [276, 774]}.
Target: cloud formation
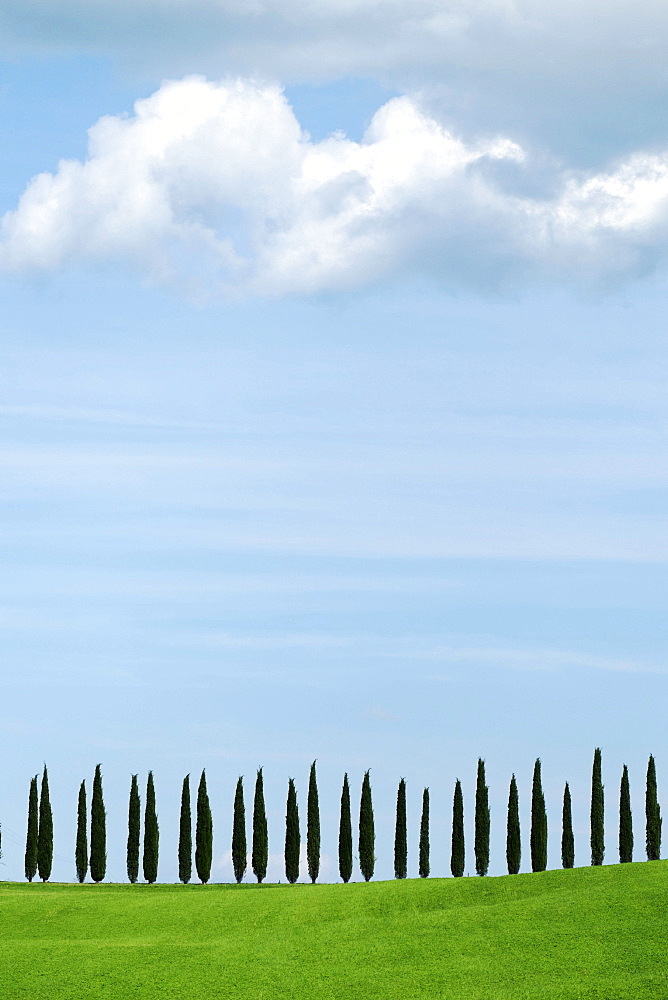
{"type": "Point", "coordinates": [571, 75]}
{"type": "Point", "coordinates": [216, 186]}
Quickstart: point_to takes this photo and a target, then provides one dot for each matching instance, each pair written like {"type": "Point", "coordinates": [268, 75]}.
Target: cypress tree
{"type": "Point", "coordinates": [151, 834]}
{"type": "Point", "coordinates": [457, 854]}
{"type": "Point", "coordinates": [203, 833]}
{"type": "Point", "coordinates": [625, 819]}
{"type": "Point", "coordinates": [292, 839]}
{"type": "Point", "coordinates": [513, 839]}
{"type": "Point", "coordinates": [81, 849]}
{"type": "Point", "coordinates": [239, 833]}
{"type": "Point", "coordinates": [367, 834]}
{"type": "Point", "coordinates": [313, 826]}
{"type": "Point", "coordinates": [33, 828]}
{"type": "Point", "coordinates": [481, 844]}
{"type": "Point", "coordinates": [185, 834]}
{"type": "Point", "coordinates": [424, 836]}
{"type": "Point", "coordinates": [345, 834]}
{"type": "Point", "coordinates": [596, 815]}
{"type": "Point", "coordinates": [652, 814]}
{"type": "Point", "coordinates": [538, 822]}
{"type": "Point", "coordinates": [567, 840]}
{"type": "Point", "coordinates": [98, 830]}
{"type": "Point", "coordinates": [400, 835]}
{"type": "Point", "coordinates": [45, 831]}
{"type": "Point", "coordinates": [134, 822]}
{"type": "Point", "coordinates": [260, 849]}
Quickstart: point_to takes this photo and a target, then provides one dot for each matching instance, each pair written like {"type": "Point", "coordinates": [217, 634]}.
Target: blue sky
{"type": "Point", "coordinates": [333, 406]}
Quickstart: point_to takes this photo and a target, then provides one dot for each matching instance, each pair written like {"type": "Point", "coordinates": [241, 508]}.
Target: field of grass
{"type": "Point", "coordinates": [590, 934]}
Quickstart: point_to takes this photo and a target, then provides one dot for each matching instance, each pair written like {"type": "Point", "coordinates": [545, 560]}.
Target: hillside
{"type": "Point", "coordinates": [589, 933]}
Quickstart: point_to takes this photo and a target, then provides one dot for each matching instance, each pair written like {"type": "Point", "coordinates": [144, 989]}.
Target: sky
{"type": "Point", "coordinates": [332, 408]}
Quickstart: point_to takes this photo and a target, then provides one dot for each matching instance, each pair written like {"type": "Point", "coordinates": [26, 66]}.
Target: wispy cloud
{"type": "Point", "coordinates": [548, 660]}
{"type": "Point", "coordinates": [415, 648]}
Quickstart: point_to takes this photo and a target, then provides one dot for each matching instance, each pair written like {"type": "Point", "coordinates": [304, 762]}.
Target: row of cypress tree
{"type": "Point", "coordinates": [39, 840]}
{"type": "Point", "coordinates": [538, 836]}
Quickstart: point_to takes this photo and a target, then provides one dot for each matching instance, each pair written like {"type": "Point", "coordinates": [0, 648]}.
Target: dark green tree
{"type": "Point", "coordinates": [367, 833]}
{"type": "Point", "coordinates": [457, 854]}
{"type": "Point", "coordinates": [260, 848]}
{"type": "Point", "coordinates": [81, 849]}
{"type": "Point", "coordinates": [513, 839]}
{"type": "Point", "coordinates": [597, 840]}
{"type": "Point", "coordinates": [134, 823]}
{"type": "Point", "coordinates": [400, 834]}
{"type": "Point", "coordinates": [239, 849]}
{"type": "Point", "coordinates": [185, 834]}
{"type": "Point", "coordinates": [652, 814]}
{"type": "Point", "coordinates": [567, 840]}
{"type": "Point", "coordinates": [313, 827]}
{"type": "Point", "coordinates": [345, 834]}
{"type": "Point", "coordinates": [33, 829]}
{"type": "Point", "coordinates": [538, 822]}
{"type": "Point", "coordinates": [423, 869]}
{"type": "Point", "coordinates": [98, 829]}
{"type": "Point", "coordinates": [481, 843]}
{"type": "Point", "coordinates": [151, 834]}
{"type": "Point", "coordinates": [45, 831]}
{"type": "Point", "coordinates": [203, 833]}
{"type": "Point", "coordinates": [292, 838]}
{"type": "Point", "coordinates": [625, 819]}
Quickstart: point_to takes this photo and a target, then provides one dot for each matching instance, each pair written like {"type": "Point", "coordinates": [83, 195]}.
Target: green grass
{"type": "Point", "coordinates": [590, 934]}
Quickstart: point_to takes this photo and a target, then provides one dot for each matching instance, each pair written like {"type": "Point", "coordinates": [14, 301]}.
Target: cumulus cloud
{"type": "Point", "coordinates": [574, 75]}
{"type": "Point", "coordinates": [216, 186]}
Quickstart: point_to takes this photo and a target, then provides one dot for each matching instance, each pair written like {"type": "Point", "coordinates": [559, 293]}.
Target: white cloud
{"type": "Point", "coordinates": [214, 185]}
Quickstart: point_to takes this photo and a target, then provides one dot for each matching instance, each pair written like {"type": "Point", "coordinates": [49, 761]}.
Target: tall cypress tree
{"type": "Point", "coordinates": [203, 833]}
{"type": "Point", "coordinates": [345, 834]}
{"type": "Point", "coordinates": [151, 834]}
{"type": "Point", "coordinates": [292, 838]}
{"type": "Point", "coordinates": [596, 815]}
{"type": "Point", "coordinates": [313, 826]}
{"type": "Point", "coordinates": [400, 834]}
{"type": "Point", "coordinates": [81, 849]}
{"type": "Point", "coordinates": [652, 814]}
{"type": "Point", "coordinates": [239, 848]}
{"type": "Point", "coordinates": [33, 829]}
{"type": "Point", "coordinates": [134, 823]}
{"type": "Point", "coordinates": [367, 833]}
{"type": "Point", "coordinates": [457, 854]}
{"type": "Point", "coordinates": [423, 869]}
{"type": "Point", "coordinates": [538, 822]}
{"type": "Point", "coordinates": [625, 819]}
{"type": "Point", "coordinates": [260, 849]}
{"type": "Point", "coordinates": [567, 839]}
{"type": "Point", "coordinates": [45, 831]}
{"type": "Point", "coordinates": [481, 844]}
{"type": "Point", "coordinates": [98, 830]}
{"type": "Point", "coordinates": [513, 839]}
{"type": "Point", "coordinates": [185, 834]}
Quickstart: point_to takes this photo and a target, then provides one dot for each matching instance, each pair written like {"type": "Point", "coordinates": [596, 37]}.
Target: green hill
{"type": "Point", "coordinates": [589, 933]}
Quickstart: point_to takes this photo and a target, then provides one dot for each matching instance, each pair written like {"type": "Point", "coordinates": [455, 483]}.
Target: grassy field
{"type": "Point", "coordinates": [590, 934]}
